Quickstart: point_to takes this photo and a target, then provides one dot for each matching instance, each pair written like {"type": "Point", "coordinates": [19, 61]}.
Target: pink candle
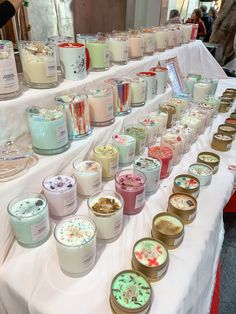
{"type": "Point", "coordinates": [165, 154]}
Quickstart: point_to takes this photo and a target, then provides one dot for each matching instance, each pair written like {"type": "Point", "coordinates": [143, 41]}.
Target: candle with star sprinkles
{"type": "Point", "coordinates": [186, 183]}
{"type": "Point", "coordinates": [130, 293]}
{"type": "Point", "coordinates": [202, 172]}
{"type": "Point", "coordinates": [76, 245]}
{"type": "Point", "coordinates": [126, 146]}
{"type": "Point", "coordinates": [151, 258]}
{"type": "Point", "coordinates": [209, 159]}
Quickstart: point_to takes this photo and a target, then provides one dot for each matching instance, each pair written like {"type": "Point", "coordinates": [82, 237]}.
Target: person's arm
{"type": "Point", "coordinates": [201, 29]}
{"type": "Point", "coordinates": [16, 3]}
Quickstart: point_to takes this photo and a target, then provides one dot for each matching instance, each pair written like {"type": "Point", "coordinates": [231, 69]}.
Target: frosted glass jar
{"type": "Point", "coordinates": [118, 48]}
{"type": "Point", "coordinates": [162, 77]}
{"type": "Point", "coordinates": [152, 131]}
{"type": "Point", "coordinates": [186, 133]}
{"type": "Point", "coordinates": [149, 41]}
{"type": "Point", "coordinates": [194, 123]}
{"type": "Point", "coordinates": [160, 119]}
{"type": "Point", "coordinates": [126, 145]}
{"type": "Point", "coordinates": [138, 91]}
{"type": "Point", "coordinates": [138, 131]}
{"type": "Point", "coordinates": [171, 40]}
{"type": "Point", "coordinates": [136, 45]}
{"type": "Point", "coordinates": [200, 92]}
{"type": "Point", "coordinates": [200, 115]}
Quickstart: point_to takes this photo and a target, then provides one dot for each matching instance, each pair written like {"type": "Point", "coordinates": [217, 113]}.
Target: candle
{"type": "Point", "coordinates": [179, 34]}
{"type": "Point", "coordinates": [171, 112]}
{"type": "Point", "coordinates": [151, 82]}
{"type": "Point", "coordinates": [201, 171]}
{"type": "Point", "coordinates": [194, 31]}
{"type": "Point", "coordinates": [138, 131]}
{"type": "Point", "coordinates": [224, 106]}
{"type": "Point", "coordinates": [176, 143]}
{"type": "Point", "coordinates": [48, 130]}
{"type": "Point", "coordinates": [200, 115]}
{"type": "Point", "coordinates": [194, 123]}
{"type": "Point", "coordinates": [75, 239]}
{"type": "Point", "coordinates": [209, 159]}
{"type": "Point", "coordinates": [162, 77]}
{"type": "Point", "coordinates": [189, 83]}
{"type": "Point", "coordinates": [231, 122]}
{"type": "Point", "coordinates": [149, 41]}
{"type": "Point", "coordinates": [187, 33]}
{"type": "Point", "coordinates": [184, 206]}
{"type": "Point", "coordinates": [208, 110]}
{"type": "Point", "coordinates": [165, 155]}
{"type": "Point", "coordinates": [227, 130]}
{"type": "Point", "coordinates": [130, 184]}
{"type": "Point", "coordinates": [61, 193]}
{"type": "Point", "coordinates": [152, 131]}
{"type": "Point", "coordinates": [212, 85]}
{"type": "Point", "coordinates": [215, 102]}
{"type": "Point", "coordinates": [180, 106]}
{"type": "Point", "coordinates": [126, 145]}
{"type": "Point", "coordinates": [186, 183]}
{"type": "Point", "coordinates": [29, 219]}
{"type": "Point", "coordinates": [151, 168]}
{"type": "Point", "coordinates": [108, 155]}
{"type": "Point", "coordinates": [200, 92]}
{"type": "Point", "coordinates": [171, 41]}
{"type": "Point", "coordinates": [83, 38]}
{"type": "Point", "coordinates": [161, 39]}
{"type": "Point", "coordinates": [221, 142]}
{"type": "Point", "coordinates": [160, 119]}
{"type": "Point", "coordinates": [106, 210]}
{"type": "Point", "coordinates": [118, 48]}
{"type": "Point", "coordinates": [136, 45]}
{"type": "Point", "coordinates": [99, 53]}
{"type": "Point", "coordinates": [57, 40]}
{"type": "Point", "coordinates": [138, 92]}
{"type": "Point", "coordinates": [186, 133]}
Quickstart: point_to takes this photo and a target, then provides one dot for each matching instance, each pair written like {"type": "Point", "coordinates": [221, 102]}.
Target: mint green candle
{"type": "Point", "coordinates": [99, 54]}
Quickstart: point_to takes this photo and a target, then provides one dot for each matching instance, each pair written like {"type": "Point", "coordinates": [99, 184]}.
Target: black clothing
{"type": "Point", "coordinates": [207, 20]}
{"type": "Point", "coordinates": [7, 11]}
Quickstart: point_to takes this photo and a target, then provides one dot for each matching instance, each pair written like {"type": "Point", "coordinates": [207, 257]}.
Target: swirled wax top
{"type": "Point", "coordinates": [208, 158]}
{"type": "Point", "coordinates": [168, 225]}
{"type": "Point", "coordinates": [222, 137]}
{"type": "Point", "coordinates": [43, 114]}
{"type": "Point", "coordinates": [106, 150]}
{"type": "Point", "coordinates": [227, 128]}
{"type": "Point", "coordinates": [183, 202]}
{"type": "Point", "coordinates": [136, 130]}
{"type": "Point", "coordinates": [172, 138]}
{"type": "Point", "coordinates": [28, 207]}
{"type": "Point", "coordinates": [38, 49]}
{"type": "Point", "coordinates": [146, 163]}
{"type": "Point", "coordinates": [87, 167]}
{"type": "Point", "coordinates": [130, 182]}
{"type": "Point", "coordinates": [131, 290]}
{"type": "Point", "coordinates": [61, 183]}
{"type": "Point", "coordinates": [162, 152]}
{"type": "Point", "coordinates": [123, 139]}
{"type": "Point", "coordinates": [200, 170]}
{"type": "Point", "coordinates": [150, 253]}
{"type": "Point", "coordinates": [182, 129]}
{"type": "Point", "coordinates": [106, 205]}
{"type": "Point", "coordinates": [75, 231]}
{"type": "Point", "coordinates": [186, 182]}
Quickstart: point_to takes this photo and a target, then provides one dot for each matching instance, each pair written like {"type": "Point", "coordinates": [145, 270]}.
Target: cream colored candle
{"type": "Point", "coordinates": [200, 92]}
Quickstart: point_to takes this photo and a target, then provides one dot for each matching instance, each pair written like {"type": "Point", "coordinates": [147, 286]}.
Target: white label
{"type": "Point", "coordinates": [177, 241]}
{"type": "Point", "coordinates": [161, 272]}
{"type": "Point", "coordinates": [51, 67]}
{"type": "Point", "coordinates": [192, 216]}
{"type": "Point", "coordinates": [8, 76]}
{"type": "Point", "coordinates": [61, 133]}
{"type": "Point", "coordinates": [113, 167]}
{"type": "Point", "coordinates": [140, 200]}
{"type": "Point", "coordinates": [40, 230]}
{"type": "Point", "coordinates": [106, 56]}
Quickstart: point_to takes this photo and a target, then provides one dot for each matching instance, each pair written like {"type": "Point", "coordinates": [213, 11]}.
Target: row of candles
{"type": "Point", "coordinates": [91, 52]}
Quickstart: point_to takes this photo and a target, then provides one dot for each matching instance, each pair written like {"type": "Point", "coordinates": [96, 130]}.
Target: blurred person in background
{"type": "Point", "coordinates": [207, 20]}
{"type": "Point", "coordinates": [174, 17]}
{"type": "Point", "coordinates": [8, 10]}
{"type": "Point", "coordinates": [196, 19]}
{"type": "Point", "coordinates": [213, 14]}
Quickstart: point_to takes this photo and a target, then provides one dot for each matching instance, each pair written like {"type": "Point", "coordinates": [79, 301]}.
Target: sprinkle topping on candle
{"type": "Point", "coordinates": [39, 49]}
{"type": "Point", "coordinates": [28, 207]}
{"type": "Point", "coordinates": [146, 163]}
{"type": "Point", "coordinates": [168, 225]}
{"type": "Point", "coordinates": [106, 150]}
{"type": "Point", "coordinates": [130, 182]}
{"type": "Point", "coordinates": [123, 139]}
{"type": "Point", "coordinates": [186, 182]}
{"type": "Point", "coordinates": [42, 114]}
{"type": "Point", "coordinates": [161, 152]}
{"type": "Point", "coordinates": [88, 166]}
{"type": "Point", "coordinates": [183, 202]}
{"type": "Point", "coordinates": [60, 183]}
{"type": "Point", "coordinates": [208, 158]}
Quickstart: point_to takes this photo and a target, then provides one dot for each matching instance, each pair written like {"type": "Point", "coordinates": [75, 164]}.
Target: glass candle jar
{"type": "Point", "coordinates": [207, 109]}
{"type": "Point", "coordinates": [194, 123]}
{"type": "Point", "coordinates": [138, 91]}
{"type": "Point", "coordinates": [160, 119]}
{"type": "Point", "coordinates": [29, 219]}
{"type": "Point", "coordinates": [75, 239]}
{"type": "Point", "coordinates": [162, 77]}
{"type": "Point", "coordinates": [108, 155]}
{"type": "Point", "coordinates": [185, 132]}
{"type": "Point", "coordinates": [150, 79]}
{"type": "Point", "coordinates": [209, 159]}
{"type": "Point", "coordinates": [201, 171]}
{"type": "Point", "coordinates": [179, 35]}
{"type": "Point", "coordinates": [180, 106]}
{"type": "Point", "coordinates": [152, 131]}
{"type": "Point", "coordinates": [161, 39]}
{"type": "Point", "coordinates": [83, 38]}
{"type": "Point", "coordinates": [57, 40]}
{"type": "Point", "coordinates": [189, 83]}
{"type": "Point", "coordinates": [184, 206]}
{"type": "Point", "coordinates": [138, 131]}
{"type": "Point", "coordinates": [136, 45]}
{"type": "Point", "coordinates": [221, 142]}
{"type": "Point", "coordinates": [176, 143]}
{"type": "Point", "coordinates": [48, 130]}
{"type": "Point", "coordinates": [121, 90]}
{"type": "Point", "coordinates": [99, 53]}
{"type": "Point", "coordinates": [186, 183]}
{"type": "Point", "coordinates": [118, 48]}
{"type": "Point", "coordinates": [126, 145]}
{"type": "Point", "coordinates": [171, 41]}
{"type": "Point", "coordinates": [165, 155]}
{"type": "Point", "coordinates": [149, 41]}
{"type": "Point", "coordinates": [194, 32]}
{"type": "Point", "coordinates": [106, 210]}
{"type": "Point", "coordinates": [39, 64]}
{"type": "Point", "coordinates": [152, 169]}
{"type": "Point", "coordinates": [215, 102]}
{"type": "Point", "coordinates": [187, 33]}
{"type": "Point", "coordinates": [200, 92]}
{"type": "Point", "coordinates": [130, 184]}
{"type": "Point", "coordinates": [171, 111]}
{"type": "Point", "coordinates": [200, 115]}
{"type": "Point", "coordinates": [9, 84]}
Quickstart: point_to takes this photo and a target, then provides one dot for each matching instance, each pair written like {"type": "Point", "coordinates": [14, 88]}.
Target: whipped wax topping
{"type": "Point", "coordinates": [5, 49]}
{"type": "Point", "coordinates": [106, 150]}
{"type": "Point", "coordinates": [61, 183]}
{"type": "Point", "coordinates": [160, 152]}
{"type": "Point", "coordinates": [183, 202]}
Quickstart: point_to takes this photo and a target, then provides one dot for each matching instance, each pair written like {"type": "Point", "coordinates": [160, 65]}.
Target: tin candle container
{"type": "Point", "coordinates": [162, 77]}
{"type": "Point", "coordinates": [221, 142]}
{"type": "Point", "coordinates": [99, 53]}
{"type": "Point", "coordinates": [149, 41]}
{"type": "Point", "coordinates": [229, 95]}
{"type": "Point", "coordinates": [89, 177]}
{"type": "Point", "coordinates": [209, 159]}
{"type": "Point", "coordinates": [231, 122]}
{"type": "Point", "coordinates": [61, 194]}
{"type": "Point", "coordinates": [171, 111]}
{"type": "Point", "coordinates": [188, 184]}
{"type": "Point", "coordinates": [118, 48]}
{"type": "Point", "coordinates": [152, 131]}
{"type": "Point", "coordinates": [184, 206]}
{"type": "Point", "coordinates": [224, 106]}
{"type": "Point", "coordinates": [126, 146]}
{"type": "Point", "coordinates": [108, 155]}
{"type": "Point", "coordinates": [161, 39]}
{"type": "Point", "coordinates": [202, 172]}
{"type": "Point", "coordinates": [106, 210]}
{"type": "Point", "coordinates": [130, 293]}
{"type": "Point", "coordinates": [75, 239]}
{"type": "Point", "coordinates": [138, 131]}
{"type": "Point", "coordinates": [200, 92]}
{"type": "Point", "coordinates": [138, 91]}
{"type": "Point", "coordinates": [160, 119]}
{"type": "Point", "coordinates": [130, 184]}
{"type": "Point", "coordinates": [29, 219]}
{"type": "Point", "coordinates": [229, 100]}
{"type": "Point", "coordinates": [151, 258]}
{"type": "Point", "coordinates": [227, 130]}
{"type": "Point", "coordinates": [48, 130]}
{"type": "Point", "coordinates": [136, 45]}
{"type": "Point", "coordinates": [186, 133]}
{"type": "Point", "coordinates": [194, 123]}
{"type": "Point", "coordinates": [150, 79]}
{"type": "Point", "coordinates": [165, 155]}
{"type": "Point", "coordinates": [169, 229]}
{"type": "Point", "coordinates": [39, 64]}
{"type": "Point", "coordinates": [176, 142]}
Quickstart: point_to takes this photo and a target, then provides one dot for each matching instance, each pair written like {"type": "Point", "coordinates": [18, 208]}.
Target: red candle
{"type": "Point", "coordinates": [165, 154]}
{"type": "Point", "coordinates": [231, 121]}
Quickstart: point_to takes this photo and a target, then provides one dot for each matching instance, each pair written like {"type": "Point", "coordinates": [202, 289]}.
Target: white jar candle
{"type": "Point", "coordinates": [202, 117]}
{"type": "Point", "coordinates": [161, 39]}
{"type": "Point", "coordinates": [176, 143]}
{"type": "Point", "coordinates": [161, 76]}
{"type": "Point", "coordinates": [171, 41]}
{"type": "Point", "coordinates": [150, 79]}
{"type": "Point", "coordinates": [76, 245]}
{"type": "Point", "coordinates": [152, 131]}
{"type": "Point", "coordinates": [149, 41]}
{"type": "Point", "coordinates": [136, 45]}
{"type": "Point", "coordinates": [126, 145]}
{"type": "Point", "coordinates": [180, 106]}
{"type": "Point", "coordinates": [200, 92]}
{"type": "Point", "coordinates": [186, 132]}
{"type": "Point", "coordinates": [160, 119]}
{"type": "Point", "coordinates": [118, 48]}
{"type": "Point", "coordinates": [138, 92]}
{"type": "Point", "coordinates": [194, 123]}
{"type": "Point", "coordinates": [106, 210]}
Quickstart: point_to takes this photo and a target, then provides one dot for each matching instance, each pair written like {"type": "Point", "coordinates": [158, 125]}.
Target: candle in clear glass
{"type": "Point", "coordinates": [121, 90]}
{"type": "Point", "coordinates": [162, 77]}
{"type": "Point", "coordinates": [57, 40]}
{"type": "Point", "coordinates": [208, 110]}
{"type": "Point", "coordinates": [215, 102]}
{"type": "Point", "coordinates": [187, 33]}
{"type": "Point", "coordinates": [48, 130]}
{"type": "Point", "coordinates": [150, 79]}
{"type": "Point", "coordinates": [9, 84]}
{"type": "Point", "coordinates": [201, 116]}
{"type": "Point", "coordinates": [152, 130]}
{"type": "Point", "coordinates": [194, 31]}
{"type": "Point", "coordinates": [176, 143]}
{"type": "Point", "coordinates": [138, 91]}
{"type": "Point", "coordinates": [189, 83]}
{"type": "Point", "coordinates": [161, 39]}
{"type": "Point", "coordinates": [99, 53]}
{"type": "Point", "coordinates": [180, 106]}
{"type": "Point", "coordinates": [39, 64]}
{"type": "Point", "coordinates": [212, 85]}
{"type": "Point", "coordinates": [149, 41]}
{"type": "Point", "coordinates": [75, 239]}
{"type": "Point", "coordinates": [126, 146]}
{"type": "Point", "coordinates": [194, 123]}
{"type": "Point", "coordinates": [186, 133]}
{"type": "Point", "coordinates": [89, 177]}
{"type": "Point", "coordinates": [139, 132]}
{"type": "Point", "coordinates": [136, 45]}
{"type": "Point", "coordinates": [185, 97]}
{"type": "Point", "coordinates": [171, 41]}
{"type": "Point", "coordinates": [160, 119]}
{"type": "Point", "coordinates": [171, 111]}
{"type": "Point", "coordinates": [165, 155]}
{"type": "Point", "coordinates": [179, 34]}
{"type": "Point", "coordinates": [151, 167]}
{"type": "Point", "coordinates": [83, 38]}
{"type": "Point", "coordinates": [200, 92]}
{"type": "Point", "coordinates": [118, 48]}
{"type": "Point", "coordinates": [130, 184]}
{"type": "Point", "coordinates": [108, 155]}
{"type": "Point", "coordinates": [61, 194]}
{"type": "Point", "coordinates": [106, 210]}
{"type": "Point", "coordinates": [29, 219]}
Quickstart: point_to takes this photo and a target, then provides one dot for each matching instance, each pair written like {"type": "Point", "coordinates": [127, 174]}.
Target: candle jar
{"type": "Point", "coordinates": [151, 168]}
{"type": "Point", "coordinates": [160, 119]}
{"type": "Point", "coordinates": [165, 155]}
{"type": "Point", "coordinates": [130, 184]}
{"type": "Point", "coordinates": [187, 33]}
{"type": "Point", "coordinates": [208, 110]}
{"type": "Point", "coordinates": [176, 143]}
{"type": "Point", "coordinates": [130, 292]}
{"type": "Point", "coordinates": [209, 159]}
{"type": "Point", "coordinates": [188, 184]}
{"type": "Point", "coordinates": [169, 229]}
{"type": "Point", "coordinates": [221, 142]}
{"type": "Point", "coordinates": [224, 106]}
{"type": "Point", "coordinates": [138, 131]}
{"type": "Point", "coordinates": [149, 41]}
{"type": "Point", "coordinates": [118, 48]}
{"type": "Point", "coordinates": [189, 83]}
{"type": "Point", "coordinates": [9, 84]}
{"type": "Point", "coordinates": [75, 238]}
{"type": "Point", "coordinates": [179, 34]}
{"type": "Point", "coordinates": [61, 194]}
{"type": "Point", "coordinates": [161, 39]}
{"type": "Point", "coordinates": [201, 116]}
{"type": "Point", "coordinates": [162, 77]}
{"type": "Point", "coordinates": [152, 131]}
{"type": "Point", "coordinates": [171, 41]}
{"type": "Point", "coordinates": [212, 85]}
{"type": "Point", "coordinates": [185, 132]}
{"type": "Point", "coordinates": [150, 79]}
{"type": "Point", "coordinates": [29, 219]}
{"type": "Point", "coordinates": [194, 123]}
{"type": "Point", "coordinates": [200, 92]}
{"type": "Point", "coordinates": [57, 40]}
{"type": "Point", "coordinates": [228, 94]}
{"type": "Point", "coordinates": [215, 102]}
{"type": "Point", "coordinates": [229, 100]}
{"type": "Point", "coordinates": [101, 106]}
{"type": "Point", "coordinates": [48, 130]}
{"type": "Point", "coordinates": [227, 130]}
{"type": "Point", "coordinates": [184, 206]}
{"type": "Point", "coordinates": [106, 210]}
{"type": "Point", "coordinates": [89, 177]}
{"type": "Point", "coordinates": [136, 45]}
{"type": "Point", "coordinates": [39, 64]}
{"type": "Point", "coordinates": [231, 122]}
{"type": "Point", "coordinates": [171, 111]}
{"type": "Point", "coordinates": [201, 171]}
{"type": "Point", "coordinates": [76, 109]}
{"type": "Point", "coordinates": [121, 90]}
{"type": "Point", "coordinates": [151, 258]}
{"type": "Point", "coordinates": [108, 155]}
{"type": "Point", "coordinates": [180, 106]}
{"type": "Point", "coordinates": [126, 145]}
{"type": "Point", "coordinates": [83, 38]}
{"type": "Point", "coordinates": [138, 91]}
{"type": "Point", "coordinates": [99, 53]}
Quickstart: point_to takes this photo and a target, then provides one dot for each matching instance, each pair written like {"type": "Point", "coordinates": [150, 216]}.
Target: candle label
{"type": "Point", "coordinates": [8, 75]}
{"type": "Point", "coordinates": [51, 67]}
{"type": "Point", "coordinates": [114, 164]}
{"type": "Point", "coordinates": [61, 133]}
{"type": "Point", "coordinates": [140, 199]}
{"type": "Point", "coordinates": [40, 230]}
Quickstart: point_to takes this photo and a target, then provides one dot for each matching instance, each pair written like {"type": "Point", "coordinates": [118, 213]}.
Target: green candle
{"type": "Point", "coordinates": [99, 54]}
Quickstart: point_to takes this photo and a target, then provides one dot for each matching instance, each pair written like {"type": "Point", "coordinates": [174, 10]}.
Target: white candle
{"type": "Point", "coordinates": [149, 41]}
{"type": "Point", "coordinates": [136, 46]}
{"type": "Point", "coordinates": [176, 143]}
{"type": "Point", "coordinates": [161, 39]}
{"type": "Point", "coordinates": [160, 119]}
{"type": "Point", "coordinates": [200, 92]}
{"type": "Point", "coordinates": [152, 131]}
{"type": "Point", "coordinates": [126, 145]}
{"type": "Point", "coordinates": [118, 48]}
{"type": "Point", "coordinates": [138, 92]}
{"type": "Point", "coordinates": [171, 41]}
{"type": "Point", "coordinates": [194, 123]}
{"type": "Point", "coordinates": [186, 133]}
